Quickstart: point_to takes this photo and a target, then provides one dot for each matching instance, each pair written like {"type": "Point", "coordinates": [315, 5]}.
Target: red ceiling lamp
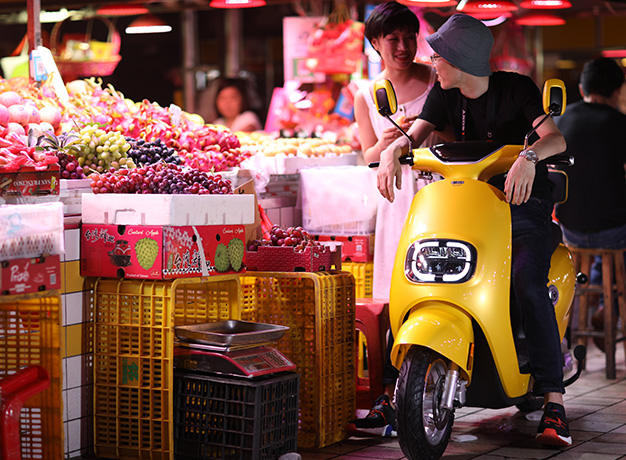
{"type": "Point", "coordinates": [540, 20]}
{"type": "Point", "coordinates": [481, 6]}
{"type": "Point", "coordinates": [545, 4]}
{"type": "Point", "coordinates": [429, 3]}
{"type": "Point", "coordinates": [122, 9]}
{"type": "Point", "coordinates": [236, 3]}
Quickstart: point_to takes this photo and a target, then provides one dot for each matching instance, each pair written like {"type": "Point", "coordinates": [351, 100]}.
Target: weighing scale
{"type": "Point", "coordinates": [238, 348]}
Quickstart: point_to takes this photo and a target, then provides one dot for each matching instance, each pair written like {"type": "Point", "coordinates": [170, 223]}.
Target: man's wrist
{"type": "Point", "coordinates": [530, 155]}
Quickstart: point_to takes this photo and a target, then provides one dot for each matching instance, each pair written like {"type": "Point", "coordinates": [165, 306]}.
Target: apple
{"type": "Point", "coordinates": [33, 114]}
{"type": "Point", "coordinates": [9, 98]}
{"type": "Point", "coordinates": [18, 114]}
{"type": "Point", "coordinates": [16, 128]}
{"type": "Point", "coordinates": [51, 115]}
{"type": "Point", "coordinates": [45, 126]}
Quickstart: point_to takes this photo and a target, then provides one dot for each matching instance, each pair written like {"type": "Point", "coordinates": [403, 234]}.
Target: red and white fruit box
{"type": "Point", "coordinates": [161, 252]}
{"type": "Point", "coordinates": [289, 259]}
{"type": "Point", "coordinates": [155, 209]}
{"type": "Point", "coordinates": [29, 182]}
{"type": "Point", "coordinates": [356, 248]}
{"type": "Point", "coordinates": [29, 230]}
{"type": "Point", "coordinates": [29, 275]}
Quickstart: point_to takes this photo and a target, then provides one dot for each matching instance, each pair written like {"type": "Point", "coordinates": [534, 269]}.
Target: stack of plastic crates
{"type": "Point", "coordinates": [363, 273]}
{"type": "Point", "coordinates": [30, 334]}
{"type": "Point", "coordinates": [133, 366]}
{"type": "Point", "coordinates": [217, 417]}
{"type": "Point", "coordinates": [319, 309]}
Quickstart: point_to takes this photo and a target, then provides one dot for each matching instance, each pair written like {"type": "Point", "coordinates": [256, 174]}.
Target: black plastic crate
{"type": "Point", "coordinates": [233, 418]}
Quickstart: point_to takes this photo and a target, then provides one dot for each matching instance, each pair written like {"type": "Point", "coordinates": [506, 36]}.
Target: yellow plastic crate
{"type": "Point", "coordinates": [363, 273]}
{"type": "Point", "coordinates": [30, 333]}
{"type": "Point", "coordinates": [319, 309]}
{"type": "Point", "coordinates": [133, 366]}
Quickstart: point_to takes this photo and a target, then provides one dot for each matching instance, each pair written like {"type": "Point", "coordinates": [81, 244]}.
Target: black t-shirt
{"type": "Point", "coordinates": [597, 184]}
{"type": "Point", "coordinates": [504, 115]}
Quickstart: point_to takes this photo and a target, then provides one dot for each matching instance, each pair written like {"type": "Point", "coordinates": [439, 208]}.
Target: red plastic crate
{"type": "Point", "coordinates": [288, 259]}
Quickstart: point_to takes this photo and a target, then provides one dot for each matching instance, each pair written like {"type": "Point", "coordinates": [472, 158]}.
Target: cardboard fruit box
{"type": "Point", "coordinates": [356, 248]}
{"type": "Point", "coordinates": [30, 275]}
{"type": "Point", "coordinates": [29, 182]}
{"type": "Point", "coordinates": [288, 259]}
{"type": "Point", "coordinates": [173, 210]}
{"type": "Point", "coordinates": [161, 252]}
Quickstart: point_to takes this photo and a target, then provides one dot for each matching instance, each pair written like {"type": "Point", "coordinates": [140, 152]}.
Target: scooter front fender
{"type": "Point", "coordinates": [440, 326]}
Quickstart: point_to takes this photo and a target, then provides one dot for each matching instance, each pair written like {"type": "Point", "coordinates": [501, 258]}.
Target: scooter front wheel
{"type": "Point", "coordinates": [424, 427]}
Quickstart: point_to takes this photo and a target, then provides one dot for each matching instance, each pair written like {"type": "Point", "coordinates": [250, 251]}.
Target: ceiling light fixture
{"type": "Point", "coordinates": [545, 4]}
{"type": "Point", "coordinates": [429, 3]}
{"type": "Point", "coordinates": [148, 24]}
{"type": "Point", "coordinates": [480, 6]}
{"type": "Point", "coordinates": [122, 9]}
{"type": "Point", "coordinates": [236, 3]}
{"type": "Point", "coordinates": [540, 19]}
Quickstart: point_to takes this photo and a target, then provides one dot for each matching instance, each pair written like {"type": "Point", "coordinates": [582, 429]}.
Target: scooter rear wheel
{"type": "Point", "coordinates": [424, 428]}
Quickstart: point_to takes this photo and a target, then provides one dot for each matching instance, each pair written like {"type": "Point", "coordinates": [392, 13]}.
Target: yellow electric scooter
{"type": "Point", "coordinates": [457, 339]}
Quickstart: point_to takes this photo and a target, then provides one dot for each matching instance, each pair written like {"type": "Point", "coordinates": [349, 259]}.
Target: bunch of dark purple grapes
{"type": "Point", "coordinates": [145, 152]}
{"type": "Point", "coordinates": [69, 167]}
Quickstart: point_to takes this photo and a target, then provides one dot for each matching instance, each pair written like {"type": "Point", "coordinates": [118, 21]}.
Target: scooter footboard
{"type": "Point", "coordinates": [441, 327]}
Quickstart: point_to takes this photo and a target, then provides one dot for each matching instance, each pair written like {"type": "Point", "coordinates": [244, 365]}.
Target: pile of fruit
{"type": "Point", "coordinates": [161, 178]}
{"type": "Point", "coordinates": [295, 237]}
{"type": "Point", "coordinates": [310, 147]}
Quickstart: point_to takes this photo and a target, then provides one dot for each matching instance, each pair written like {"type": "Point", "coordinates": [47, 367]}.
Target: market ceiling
{"type": "Point", "coordinates": [578, 8]}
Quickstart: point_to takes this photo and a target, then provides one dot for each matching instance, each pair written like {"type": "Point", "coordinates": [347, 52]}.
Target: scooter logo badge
{"type": "Point", "coordinates": [457, 182]}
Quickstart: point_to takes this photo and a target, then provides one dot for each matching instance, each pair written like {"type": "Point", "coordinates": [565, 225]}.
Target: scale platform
{"type": "Point", "coordinates": [238, 348]}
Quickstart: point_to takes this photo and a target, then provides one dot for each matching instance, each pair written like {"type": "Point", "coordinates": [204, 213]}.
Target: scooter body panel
{"type": "Point", "coordinates": [439, 326]}
{"type": "Point", "coordinates": [476, 213]}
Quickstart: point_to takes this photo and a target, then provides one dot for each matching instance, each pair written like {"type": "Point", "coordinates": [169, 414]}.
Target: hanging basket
{"type": "Point", "coordinates": [79, 55]}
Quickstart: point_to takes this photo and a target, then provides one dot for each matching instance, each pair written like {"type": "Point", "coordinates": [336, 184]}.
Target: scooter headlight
{"type": "Point", "coordinates": [440, 261]}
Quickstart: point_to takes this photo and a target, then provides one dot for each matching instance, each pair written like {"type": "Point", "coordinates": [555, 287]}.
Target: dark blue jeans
{"type": "Point", "coordinates": [531, 254]}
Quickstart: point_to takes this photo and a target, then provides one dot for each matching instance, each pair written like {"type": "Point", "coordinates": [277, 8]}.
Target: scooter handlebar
{"type": "Point", "coordinates": [560, 159]}
{"type": "Point", "coordinates": [404, 160]}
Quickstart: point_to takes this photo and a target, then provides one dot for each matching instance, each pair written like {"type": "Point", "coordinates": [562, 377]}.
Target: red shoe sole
{"type": "Point", "coordinates": [549, 437]}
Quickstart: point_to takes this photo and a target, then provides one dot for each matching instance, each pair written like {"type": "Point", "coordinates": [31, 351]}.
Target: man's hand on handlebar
{"type": "Point", "coordinates": [519, 181]}
{"type": "Point", "coordinates": [389, 172]}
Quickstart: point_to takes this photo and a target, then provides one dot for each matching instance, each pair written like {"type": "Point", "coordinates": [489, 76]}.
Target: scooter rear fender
{"type": "Point", "coordinates": [440, 326]}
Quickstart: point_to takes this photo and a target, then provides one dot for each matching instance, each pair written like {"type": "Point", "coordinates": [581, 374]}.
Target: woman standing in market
{"type": "Point", "coordinates": [233, 108]}
{"type": "Point", "coordinates": [392, 30]}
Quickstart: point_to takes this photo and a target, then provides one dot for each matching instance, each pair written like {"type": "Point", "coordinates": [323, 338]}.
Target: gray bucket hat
{"type": "Point", "coordinates": [465, 42]}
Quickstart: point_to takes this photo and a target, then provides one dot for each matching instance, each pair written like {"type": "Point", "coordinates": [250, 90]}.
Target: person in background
{"type": "Point", "coordinates": [501, 107]}
{"type": "Point", "coordinates": [594, 215]}
{"type": "Point", "coordinates": [231, 104]}
{"type": "Point", "coordinates": [392, 29]}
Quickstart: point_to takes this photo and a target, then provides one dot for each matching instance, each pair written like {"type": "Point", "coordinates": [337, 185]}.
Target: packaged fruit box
{"type": "Point", "coordinates": [161, 252]}
{"type": "Point", "coordinates": [29, 182]}
{"type": "Point", "coordinates": [290, 259]}
{"type": "Point", "coordinates": [30, 275]}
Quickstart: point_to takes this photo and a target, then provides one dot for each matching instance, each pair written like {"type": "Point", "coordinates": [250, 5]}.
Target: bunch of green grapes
{"type": "Point", "coordinates": [103, 150]}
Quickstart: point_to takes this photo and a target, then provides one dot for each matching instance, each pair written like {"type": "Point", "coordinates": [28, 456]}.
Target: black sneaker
{"type": "Point", "coordinates": [381, 415]}
{"type": "Point", "coordinates": [553, 429]}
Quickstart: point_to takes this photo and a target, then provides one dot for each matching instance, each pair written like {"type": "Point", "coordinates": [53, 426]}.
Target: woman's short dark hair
{"type": "Point", "coordinates": [601, 76]}
{"type": "Point", "coordinates": [390, 16]}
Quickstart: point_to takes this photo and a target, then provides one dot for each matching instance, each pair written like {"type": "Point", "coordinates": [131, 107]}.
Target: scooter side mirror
{"type": "Point", "coordinates": [554, 97]}
{"type": "Point", "coordinates": [385, 98]}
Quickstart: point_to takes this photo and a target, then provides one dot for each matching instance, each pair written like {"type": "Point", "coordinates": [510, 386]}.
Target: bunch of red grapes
{"type": "Point", "coordinates": [161, 178]}
{"type": "Point", "coordinates": [295, 237]}
{"type": "Point", "coordinates": [70, 169]}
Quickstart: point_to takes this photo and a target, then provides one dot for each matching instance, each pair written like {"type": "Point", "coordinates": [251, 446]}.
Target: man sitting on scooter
{"type": "Point", "coordinates": [481, 105]}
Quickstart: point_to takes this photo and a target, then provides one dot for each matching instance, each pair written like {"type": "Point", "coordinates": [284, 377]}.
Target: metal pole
{"type": "Point", "coordinates": [189, 22]}
{"type": "Point", "coordinates": [232, 33]}
{"type": "Point", "coordinates": [33, 30]}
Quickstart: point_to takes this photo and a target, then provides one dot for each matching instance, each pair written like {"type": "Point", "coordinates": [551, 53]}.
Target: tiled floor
{"type": "Point", "coordinates": [596, 409]}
